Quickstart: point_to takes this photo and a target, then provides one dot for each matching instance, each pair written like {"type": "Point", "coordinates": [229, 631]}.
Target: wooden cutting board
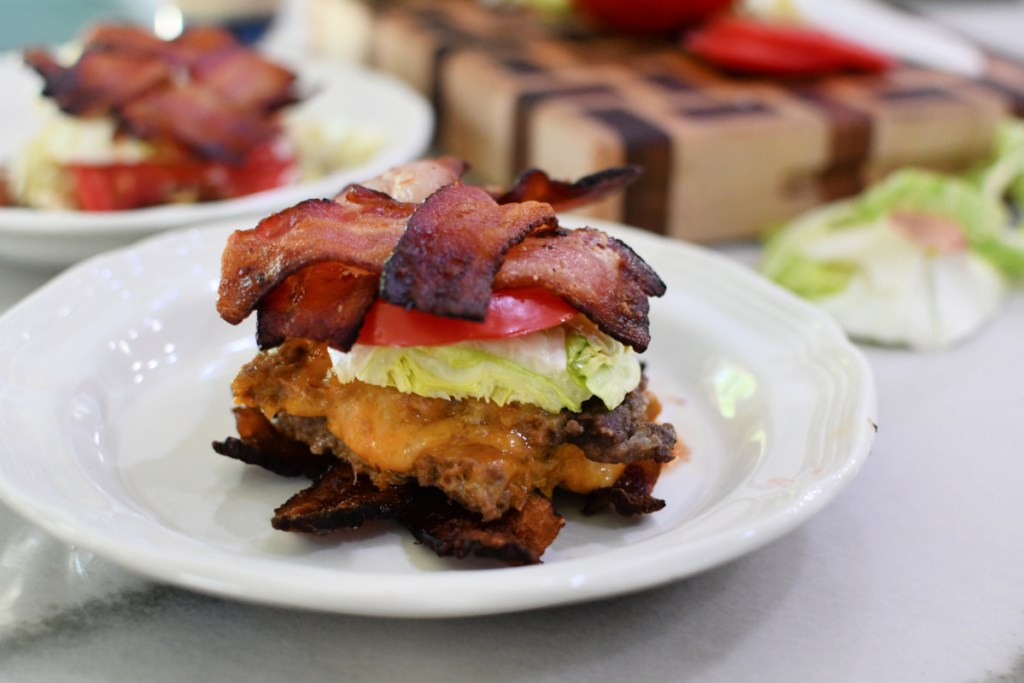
{"type": "Point", "coordinates": [723, 157]}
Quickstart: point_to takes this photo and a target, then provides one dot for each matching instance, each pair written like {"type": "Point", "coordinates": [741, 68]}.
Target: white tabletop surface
{"type": "Point", "coordinates": [915, 573]}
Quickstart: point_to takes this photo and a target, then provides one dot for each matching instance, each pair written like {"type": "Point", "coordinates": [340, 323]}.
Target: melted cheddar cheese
{"type": "Point", "coordinates": [487, 457]}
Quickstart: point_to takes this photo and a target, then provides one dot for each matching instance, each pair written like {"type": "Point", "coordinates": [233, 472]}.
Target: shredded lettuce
{"type": "Point", "coordinates": [554, 369]}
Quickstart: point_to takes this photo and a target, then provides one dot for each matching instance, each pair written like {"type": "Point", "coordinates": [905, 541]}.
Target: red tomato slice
{"type": "Point", "coordinates": [92, 189]}
{"type": "Point", "coordinates": [264, 168]}
{"type": "Point", "coordinates": [511, 313]}
{"type": "Point", "coordinates": [113, 187]}
{"type": "Point", "coordinates": [121, 186]}
{"type": "Point", "coordinates": [759, 48]}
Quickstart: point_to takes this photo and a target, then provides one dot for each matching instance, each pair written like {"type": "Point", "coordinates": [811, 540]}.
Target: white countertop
{"type": "Point", "coordinates": [913, 574]}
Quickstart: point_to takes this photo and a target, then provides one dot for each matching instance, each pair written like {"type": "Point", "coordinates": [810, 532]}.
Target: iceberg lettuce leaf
{"type": "Point", "coordinates": [554, 369]}
{"type": "Point", "coordinates": [607, 368]}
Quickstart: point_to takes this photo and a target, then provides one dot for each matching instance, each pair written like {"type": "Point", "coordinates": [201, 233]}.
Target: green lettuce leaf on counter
{"type": "Point", "coordinates": [554, 369]}
{"type": "Point", "coordinates": [1003, 176]}
{"type": "Point", "coordinates": [1003, 179]}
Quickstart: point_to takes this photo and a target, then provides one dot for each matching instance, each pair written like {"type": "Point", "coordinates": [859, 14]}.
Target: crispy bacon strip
{"type": "Point", "coordinates": [630, 495]}
{"type": "Point", "coordinates": [99, 82]}
{"type": "Point", "coordinates": [324, 302]}
{"type": "Point", "coordinates": [244, 80]}
{"type": "Point", "coordinates": [359, 232]}
{"type": "Point", "coordinates": [536, 185]}
{"type": "Point", "coordinates": [359, 229]}
{"type": "Point", "coordinates": [595, 273]}
{"type": "Point", "coordinates": [339, 500]}
{"type": "Point", "coordinates": [199, 118]}
{"type": "Point", "coordinates": [260, 443]}
{"type": "Point", "coordinates": [519, 537]}
{"type": "Point", "coordinates": [453, 246]}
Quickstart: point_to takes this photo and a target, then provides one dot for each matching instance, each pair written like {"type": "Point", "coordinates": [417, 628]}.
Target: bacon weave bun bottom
{"type": "Point", "coordinates": [467, 474]}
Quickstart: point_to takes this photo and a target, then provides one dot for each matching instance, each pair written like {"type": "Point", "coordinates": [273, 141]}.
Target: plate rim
{"type": "Point", "coordinates": [558, 586]}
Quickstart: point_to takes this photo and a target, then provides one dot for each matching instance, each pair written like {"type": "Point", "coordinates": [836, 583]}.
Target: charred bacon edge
{"type": "Point", "coordinates": [535, 184]}
{"type": "Point", "coordinates": [630, 495]}
{"type": "Point", "coordinates": [517, 538]}
{"type": "Point", "coordinates": [260, 443]}
{"type": "Point", "coordinates": [338, 499]}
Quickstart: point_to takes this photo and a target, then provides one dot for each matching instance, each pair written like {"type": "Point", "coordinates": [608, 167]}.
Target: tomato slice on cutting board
{"type": "Point", "coordinates": [755, 47]}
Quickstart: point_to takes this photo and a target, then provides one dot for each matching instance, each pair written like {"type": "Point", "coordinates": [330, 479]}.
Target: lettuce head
{"type": "Point", "coordinates": [914, 261]}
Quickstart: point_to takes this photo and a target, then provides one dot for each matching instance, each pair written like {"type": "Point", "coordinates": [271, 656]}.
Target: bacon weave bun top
{"type": "Point", "coordinates": [202, 90]}
{"type": "Point", "coordinates": [442, 254]}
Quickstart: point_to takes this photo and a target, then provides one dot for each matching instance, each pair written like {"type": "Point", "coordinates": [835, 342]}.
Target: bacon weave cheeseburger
{"type": "Point", "coordinates": [446, 356]}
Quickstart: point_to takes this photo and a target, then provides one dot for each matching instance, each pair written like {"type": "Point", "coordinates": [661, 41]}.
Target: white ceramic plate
{"type": "Point", "coordinates": [114, 381]}
{"type": "Point", "coordinates": [351, 94]}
